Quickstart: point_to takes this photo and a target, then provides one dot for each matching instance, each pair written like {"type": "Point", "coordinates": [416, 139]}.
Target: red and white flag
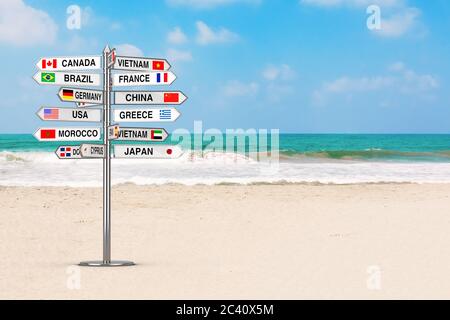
{"type": "Point", "coordinates": [50, 64]}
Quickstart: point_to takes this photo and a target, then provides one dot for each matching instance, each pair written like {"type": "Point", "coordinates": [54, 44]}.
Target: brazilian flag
{"type": "Point", "coordinates": [48, 77]}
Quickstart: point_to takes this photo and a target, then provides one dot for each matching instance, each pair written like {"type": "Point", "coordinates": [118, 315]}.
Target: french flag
{"type": "Point", "coordinates": [164, 75]}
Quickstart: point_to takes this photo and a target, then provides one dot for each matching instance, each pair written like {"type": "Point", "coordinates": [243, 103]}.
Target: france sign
{"type": "Point", "coordinates": [68, 134]}
{"type": "Point", "coordinates": [81, 95]}
{"type": "Point", "coordinates": [146, 115]}
{"type": "Point", "coordinates": [149, 97]}
{"type": "Point", "coordinates": [142, 134]}
{"type": "Point", "coordinates": [147, 151]}
{"type": "Point", "coordinates": [67, 78]}
{"type": "Point", "coordinates": [68, 152]}
{"type": "Point", "coordinates": [140, 64]}
{"type": "Point", "coordinates": [92, 150]}
{"type": "Point", "coordinates": [69, 63]}
{"type": "Point", "coordinates": [143, 79]}
{"type": "Point", "coordinates": [69, 114]}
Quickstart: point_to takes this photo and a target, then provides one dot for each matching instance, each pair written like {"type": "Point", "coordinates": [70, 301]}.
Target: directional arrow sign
{"type": "Point", "coordinates": [69, 63]}
{"type": "Point", "coordinates": [68, 152]}
{"type": "Point", "coordinates": [69, 114]}
{"type": "Point", "coordinates": [68, 134]}
{"type": "Point", "coordinates": [113, 132]}
{"type": "Point", "coordinates": [146, 115]}
{"type": "Point", "coordinates": [140, 64]}
{"type": "Point", "coordinates": [81, 95]}
{"type": "Point", "coordinates": [143, 79]}
{"type": "Point", "coordinates": [147, 151]}
{"type": "Point", "coordinates": [67, 78]}
{"type": "Point", "coordinates": [142, 134]}
{"type": "Point", "coordinates": [84, 104]}
{"type": "Point", "coordinates": [92, 150]}
{"type": "Point", "coordinates": [149, 97]}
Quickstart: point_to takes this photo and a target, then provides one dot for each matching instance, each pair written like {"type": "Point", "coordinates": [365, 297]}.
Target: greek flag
{"type": "Point", "coordinates": [165, 114]}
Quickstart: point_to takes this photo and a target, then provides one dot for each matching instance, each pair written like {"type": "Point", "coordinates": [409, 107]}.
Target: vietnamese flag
{"type": "Point", "coordinates": [158, 65]}
{"type": "Point", "coordinates": [171, 97]}
{"type": "Point", "coordinates": [48, 133]}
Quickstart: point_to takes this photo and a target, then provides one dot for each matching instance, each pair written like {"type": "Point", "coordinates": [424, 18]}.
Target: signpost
{"type": "Point", "coordinates": [81, 95]}
{"type": "Point", "coordinates": [142, 134]}
{"type": "Point", "coordinates": [146, 115]}
{"type": "Point", "coordinates": [143, 79]}
{"type": "Point", "coordinates": [146, 71]}
{"type": "Point", "coordinates": [68, 152]}
{"type": "Point", "coordinates": [147, 151]}
{"type": "Point", "coordinates": [67, 78]}
{"type": "Point", "coordinates": [149, 97]}
{"type": "Point", "coordinates": [69, 114]}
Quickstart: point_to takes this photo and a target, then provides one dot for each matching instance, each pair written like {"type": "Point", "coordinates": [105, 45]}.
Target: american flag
{"type": "Point", "coordinates": [51, 114]}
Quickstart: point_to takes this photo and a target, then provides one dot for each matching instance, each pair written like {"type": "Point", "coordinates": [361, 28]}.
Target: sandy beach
{"type": "Point", "coordinates": [229, 242]}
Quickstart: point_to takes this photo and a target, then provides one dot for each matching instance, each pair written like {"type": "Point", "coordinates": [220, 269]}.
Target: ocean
{"type": "Point", "coordinates": [303, 158]}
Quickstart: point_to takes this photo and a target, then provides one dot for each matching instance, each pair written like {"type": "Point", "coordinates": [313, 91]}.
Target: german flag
{"type": "Point", "coordinates": [67, 94]}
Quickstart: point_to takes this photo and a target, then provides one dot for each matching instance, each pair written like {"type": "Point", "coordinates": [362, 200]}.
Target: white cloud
{"type": "Point", "coordinates": [126, 49]}
{"type": "Point", "coordinates": [281, 72]}
{"type": "Point", "coordinates": [398, 24]}
{"type": "Point", "coordinates": [176, 36]}
{"type": "Point", "coordinates": [208, 4]}
{"type": "Point", "coordinates": [237, 89]}
{"type": "Point", "coordinates": [399, 80]}
{"type": "Point", "coordinates": [23, 25]}
{"type": "Point", "coordinates": [206, 35]}
{"type": "Point", "coordinates": [178, 55]}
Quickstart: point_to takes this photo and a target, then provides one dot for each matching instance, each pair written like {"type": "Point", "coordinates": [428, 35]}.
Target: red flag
{"type": "Point", "coordinates": [171, 97]}
{"type": "Point", "coordinates": [166, 77]}
{"type": "Point", "coordinates": [158, 65]}
{"type": "Point", "coordinates": [48, 63]}
{"type": "Point", "coordinates": [48, 133]}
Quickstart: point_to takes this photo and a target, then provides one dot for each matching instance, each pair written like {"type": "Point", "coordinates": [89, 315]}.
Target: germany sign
{"type": "Point", "coordinates": [81, 95]}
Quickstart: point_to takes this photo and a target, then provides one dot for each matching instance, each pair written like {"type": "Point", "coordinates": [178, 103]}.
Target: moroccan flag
{"type": "Point", "coordinates": [51, 64]}
{"type": "Point", "coordinates": [156, 134]}
{"type": "Point", "coordinates": [171, 97]}
{"type": "Point", "coordinates": [158, 65]}
{"type": "Point", "coordinates": [48, 133]}
{"type": "Point", "coordinates": [48, 77]}
{"type": "Point", "coordinates": [67, 94]}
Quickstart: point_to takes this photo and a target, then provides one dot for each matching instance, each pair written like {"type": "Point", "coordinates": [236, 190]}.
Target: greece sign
{"type": "Point", "coordinates": [146, 115]}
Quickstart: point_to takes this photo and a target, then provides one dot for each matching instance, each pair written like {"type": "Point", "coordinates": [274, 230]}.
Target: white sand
{"type": "Point", "coordinates": [249, 242]}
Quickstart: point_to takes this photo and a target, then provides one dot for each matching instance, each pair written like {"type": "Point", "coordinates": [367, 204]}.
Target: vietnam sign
{"type": "Point", "coordinates": [143, 79]}
{"type": "Point", "coordinates": [146, 115]}
{"type": "Point", "coordinates": [68, 152]}
{"type": "Point", "coordinates": [149, 97]}
{"type": "Point", "coordinates": [66, 78]}
{"type": "Point", "coordinates": [142, 134]}
{"type": "Point", "coordinates": [140, 64]}
{"type": "Point", "coordinates": [69, 114]}
{"type": "Point", "coordinates": [81, 95]}
{"type": "Point", "coordinates": [69, 63]}
{"type": "Point", "coordinates": [147, 151]}
{"type": "Point", "coordinates": [92, 150]}
{"type": "Point", "coordinates": [68, 134]}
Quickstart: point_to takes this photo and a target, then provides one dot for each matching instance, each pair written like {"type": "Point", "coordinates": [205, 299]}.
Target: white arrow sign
{"type": "Point", "coordinates": [81, 95]}
{"type": "Point", "coordinates": [68, 152]}
{"type": "Point", "coordinates": [84, 104]}
{"type": "Point", "coordinates": [147, 151]}
{"type": "Point", "coordinates": [149, 97]}
{"type": "Point", "coordinates": [143, 79]}
{"type": "Point", "coordinates": [140, 64]}
{"type": "Point", "coordinates": [67, 78]}
{"type": "Point", "coordinates": [92, 150]}
{"type": "Point", "coordinates": [142, 134]}
{"type": "Point", "coordinates": [69, 63]}
{"type": "Point", "coordinates": [146, 115]}
{"type": "Point", "coordinates": [68, 134]}
{"type": "Point", "coordinates": [69, 114]}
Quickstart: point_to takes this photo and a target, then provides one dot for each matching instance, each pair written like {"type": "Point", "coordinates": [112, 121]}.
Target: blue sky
{"type": "Point", "coordinates": [295, 65]}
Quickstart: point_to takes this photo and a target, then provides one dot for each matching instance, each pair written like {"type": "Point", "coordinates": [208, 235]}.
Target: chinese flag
{"type": "Point", "coordinates": [158, 65]}
{"type": "Point", "coordinates": [48, 134]}
{"type": "Point", "coordinates": [171, 97]}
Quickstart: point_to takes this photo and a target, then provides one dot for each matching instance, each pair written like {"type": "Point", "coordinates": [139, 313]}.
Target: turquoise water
{"type": "Point", "coordinates": [374, 147]}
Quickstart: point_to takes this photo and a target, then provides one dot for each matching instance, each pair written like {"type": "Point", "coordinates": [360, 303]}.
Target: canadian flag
{"type": "Point", "coordinates": [50, 63]}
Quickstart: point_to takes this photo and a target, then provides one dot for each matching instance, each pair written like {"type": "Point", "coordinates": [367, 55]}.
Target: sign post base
{"type": "Point", "coordinates": [101, 263]}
